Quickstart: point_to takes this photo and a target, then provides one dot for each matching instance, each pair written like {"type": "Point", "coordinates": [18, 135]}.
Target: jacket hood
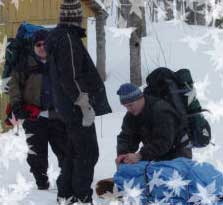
{"type": "Point", "coordinates": [59, 31]}
{"type": "Point", "coordinates": [81, 32]}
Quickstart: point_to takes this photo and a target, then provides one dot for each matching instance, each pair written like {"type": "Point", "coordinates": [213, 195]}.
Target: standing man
{"type": "Point", "coordinates": [79, 95]}
{"type": "Point", "coordinates": [152, 122]}
{"type": "Point", "coordinates": [31, 100]}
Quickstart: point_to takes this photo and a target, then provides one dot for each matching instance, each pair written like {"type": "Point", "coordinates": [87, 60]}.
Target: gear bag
{"type": "Point", "coordinates": [177, 88]}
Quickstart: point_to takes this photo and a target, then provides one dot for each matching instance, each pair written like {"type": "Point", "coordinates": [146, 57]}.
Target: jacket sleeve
{"type": "Point", "coordinates": [127, 140]}
{"type": "Point", "coordinates": [163, 135]}
{"type": "Point", "coordinates": [15, 90]}
{"type": "Point", "coordinates": [66, 66]}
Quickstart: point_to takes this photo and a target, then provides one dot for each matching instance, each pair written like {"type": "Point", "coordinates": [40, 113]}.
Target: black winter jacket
{"type": "Point", "coordinates": [73, 70]}
{"type": "Point", "coordinates": [157, 127]}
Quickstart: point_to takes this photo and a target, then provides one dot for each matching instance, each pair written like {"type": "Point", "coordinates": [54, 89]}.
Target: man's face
{"type": "Point", "coordinates": [39, 49]}
{"type": "Point", "coordinates": [136, 107]}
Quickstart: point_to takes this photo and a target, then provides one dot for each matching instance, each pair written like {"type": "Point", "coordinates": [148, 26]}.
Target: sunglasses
{"type": "Point", "coordinates": [40, 44]}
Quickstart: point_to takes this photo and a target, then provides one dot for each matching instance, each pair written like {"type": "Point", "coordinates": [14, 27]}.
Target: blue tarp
{"type": "Point", "coordinates": [203, 174]}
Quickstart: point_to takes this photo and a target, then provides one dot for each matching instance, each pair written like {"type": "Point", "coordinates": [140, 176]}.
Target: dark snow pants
{"type": "Point", "coordinates": [78, 167]}
{"type": "Point", "coordinates": [44, 130]}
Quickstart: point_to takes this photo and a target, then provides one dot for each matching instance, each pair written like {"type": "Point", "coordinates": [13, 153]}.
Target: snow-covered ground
{"type": "Point", "coordinates": [174, 45]}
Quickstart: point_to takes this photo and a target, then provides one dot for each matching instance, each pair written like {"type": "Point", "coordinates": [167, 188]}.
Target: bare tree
{"type": "Point", "coordinates": [168, 9]}
{"type": "Point", "coordinates": [134, 18]}
{"type": "Point", "coordinates": [199, 15]}
{"type": "Point", "coordinates": [195, 10]}
{"type": "Point", "coordinates": [101, 17]}
{"type": "Point", "coordinates": [135, 58]}
{"type": "Point", "coordinates": [101, 44]}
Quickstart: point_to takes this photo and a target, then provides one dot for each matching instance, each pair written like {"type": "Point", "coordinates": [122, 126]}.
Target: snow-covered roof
{"type": "Point", "coordinates": [96, 5]}
{"type": "Point", "coordinates": [99, 2]}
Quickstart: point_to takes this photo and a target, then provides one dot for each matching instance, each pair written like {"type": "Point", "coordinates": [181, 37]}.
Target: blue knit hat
{"type": "Point", "coordinates": [129, 93]}
{"type": "Point", "coordinates": [40, 35]}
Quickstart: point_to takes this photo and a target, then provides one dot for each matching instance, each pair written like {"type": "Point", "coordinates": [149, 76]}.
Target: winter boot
{"type": "Point", "coordinates": [44, 186]}
{"type": "Point", "coordinates": [41, 181]}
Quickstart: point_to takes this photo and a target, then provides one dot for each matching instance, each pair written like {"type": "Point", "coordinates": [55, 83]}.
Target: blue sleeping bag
{"type": "Point", "coordinates": [177, 181]}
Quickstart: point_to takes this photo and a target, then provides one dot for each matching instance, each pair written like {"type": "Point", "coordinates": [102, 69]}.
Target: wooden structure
{"type": "Point", "coordinates": [41, 12]}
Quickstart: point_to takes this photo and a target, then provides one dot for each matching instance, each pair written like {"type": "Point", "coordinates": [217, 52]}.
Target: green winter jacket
{"type": "Point", "coordinates": [25, 84]}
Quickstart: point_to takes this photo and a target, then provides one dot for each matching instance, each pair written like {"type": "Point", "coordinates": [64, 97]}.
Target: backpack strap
{"type": "Point", "coordinates": [183, 140]}
{"type": "Point", "coordinates": [177, 101]}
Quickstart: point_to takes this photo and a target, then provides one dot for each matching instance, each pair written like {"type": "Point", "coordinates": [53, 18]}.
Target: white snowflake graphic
{"type": "Point", "coordinates": [176, 183]}
{"type": "Point", "coordinates": [155, 181]}
{"type": "Point", "coordinates": [215, 56]}
{"type": "Point", "coordinates": [14, 194]}
{"type": "Point", "coordinates": [2, 49]}
{"type": "Point", "coordinates": [132, 194]}
{"type": "Point", "coordinates": [14, 147]}
{"type": "Point", "coordinates": [4, 84]}
{"type": "Point", "coordinates": [1, 3]}
{"type": "Point", "coordinates": [63, 201]}
{"type": "Point", "coordinates": [159, 202]}
{"type": "Point", "coordinates": [205, 195]}
{"type": "Point", "coordinates": [202, 88]}
{"type": "Point", "coordinates": [16, 3]}
{"type": "Point", "coordinates": [194, 41]}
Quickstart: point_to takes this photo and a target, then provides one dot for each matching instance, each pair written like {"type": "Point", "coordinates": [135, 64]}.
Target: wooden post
{"type": "Point", "coordinates": [135, 58]}
{"type": "Point", "coordinates": [133, 20]}
{"type": "Point", "coordinates": [101, 45]}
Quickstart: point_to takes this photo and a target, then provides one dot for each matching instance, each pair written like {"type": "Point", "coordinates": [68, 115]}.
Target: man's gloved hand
{"type": "Point", "coordinates": [87, 110]}
{"type": "Point", "coordinates": [19, 112]}
{"type": "Point", "coordinates": [33, 111]}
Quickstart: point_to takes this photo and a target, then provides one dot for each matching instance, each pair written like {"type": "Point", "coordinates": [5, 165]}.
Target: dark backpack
{"type": "Point", "coordinates": [19, 47]}
{"type": "Point", "coordinates": [177, 89]}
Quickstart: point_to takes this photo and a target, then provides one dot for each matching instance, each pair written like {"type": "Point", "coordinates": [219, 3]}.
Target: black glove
{"type": "Point", "coordinates": [19, 112]}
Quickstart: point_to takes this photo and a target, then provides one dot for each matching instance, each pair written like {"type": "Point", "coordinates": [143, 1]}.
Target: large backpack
{"type": "Point", "coordinates": [19, 47]}
{"type": "Point", "coordinates": [16, 53]}
{"type": "Point", "coordinates": [177, 88]}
